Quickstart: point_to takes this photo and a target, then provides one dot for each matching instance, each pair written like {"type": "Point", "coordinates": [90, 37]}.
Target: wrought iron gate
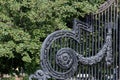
{"type": "Point", "coordinates": [91, 51]}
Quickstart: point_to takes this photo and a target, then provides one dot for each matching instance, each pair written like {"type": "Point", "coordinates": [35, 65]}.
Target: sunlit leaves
{"type": "Point", "coordinates": [26, 58]}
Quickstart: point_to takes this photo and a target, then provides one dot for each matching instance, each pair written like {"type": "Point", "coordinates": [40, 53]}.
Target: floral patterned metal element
{"type": "Point", "coordinates": [66, 58]}
{"type": "Point", "coordinates": [40, 75]}
{"type": "Point", "coordinates": [106, 50]}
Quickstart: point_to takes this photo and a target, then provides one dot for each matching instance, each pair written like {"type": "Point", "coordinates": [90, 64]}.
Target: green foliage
{"type": "Point", "coordinates": [26, 78]}
{"type": "Point", "coordinates": [11, 78]}
{"type": "Point", "coordinates": [24, 24]}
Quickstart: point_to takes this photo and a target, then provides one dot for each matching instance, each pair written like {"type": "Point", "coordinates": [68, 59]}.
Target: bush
{"type": "Point", "coordinates": [10, 78]}
{"type": "Point", "coordinates": [26, 78]}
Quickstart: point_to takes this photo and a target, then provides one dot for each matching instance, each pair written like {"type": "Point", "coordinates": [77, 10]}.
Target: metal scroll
{"type": "Point", "coordinates": [88, 52]}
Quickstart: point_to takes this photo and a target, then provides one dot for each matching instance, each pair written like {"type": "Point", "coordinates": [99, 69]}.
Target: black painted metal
{"type": "Point", "coordinates": [91, 51]}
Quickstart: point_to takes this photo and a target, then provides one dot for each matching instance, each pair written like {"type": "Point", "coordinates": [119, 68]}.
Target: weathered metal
{"type": "Point", "coordinates": [91, 51]}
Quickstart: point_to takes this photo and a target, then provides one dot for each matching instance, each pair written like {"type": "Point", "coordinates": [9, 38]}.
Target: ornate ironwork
{"type": "Point", "coordinates": [68, 59]}
{"type": "Point", "coordinates": [40, 75]}
{"type": "Point", "coordinates": [106, 5]}
{"type": "Point", "coordinates": [107, 48]}
{"type": "Point", "coordinates": [72, 64]}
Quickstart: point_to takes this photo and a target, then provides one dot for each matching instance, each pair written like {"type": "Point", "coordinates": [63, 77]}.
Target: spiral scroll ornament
{"type": "Point", "coordinates": [66, 58]}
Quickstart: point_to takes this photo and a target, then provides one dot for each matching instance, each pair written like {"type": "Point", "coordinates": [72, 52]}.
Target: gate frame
{"type": "Point", "coordinates": [47, 73]}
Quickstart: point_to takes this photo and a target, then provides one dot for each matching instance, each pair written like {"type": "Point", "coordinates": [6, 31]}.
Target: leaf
{"type": "Point", "coordinates": [26, 58]}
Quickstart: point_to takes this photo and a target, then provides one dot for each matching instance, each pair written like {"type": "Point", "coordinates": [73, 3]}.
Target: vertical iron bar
{"type": "Point", "coordinates": [77, 52]}
{"type": "Point", "coordinates": [73, 47]}
{"type": "Point", "coordinates": [98, 44]}
{"type": "Point", "coordinates": [118, 27]}
{"type": "Point", "coordinates": [93, 44]}
{"type": "Point", "coordinates": [118, 6]}
{"type": "Point", "coordinates": [58, 47]}
{"type": "Point", "coordinates": [86, 48]}
{"type": "Point", "coordinates": [89, 46]}
{"type": "Point", "coordinates": [114, 55]}
{"type": "Point", "coordinates": [80, 51]}
{"type": "Point", "coordinates": [117, 40]}
{"type": "Point", "coordinates": [108, 76]}
{"type": "Point", "coordinates": [119, 47]}
{"type": "Point", "coordinates": [86, 67]}
{"type": "Point", "coordinates": [111, 14]}
{"type": "Point", "coordinates": [61, 45]}
{"type": "Point", "coordinates": [115, 43]}
{"type": "Point", "coordinates": [96, 34]}
{"type": "Point", "coordinates": [104, 41]}
{"type": "Point", "coordinates": [55, 45]}
{"type": "Point", "coordinates": [102, 34]}
{"type": "Point", "coordinates": [83, 71]}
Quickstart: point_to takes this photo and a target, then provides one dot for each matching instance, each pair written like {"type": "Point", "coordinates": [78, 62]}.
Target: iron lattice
{"type": "Point", "coordinates": [91, 51]}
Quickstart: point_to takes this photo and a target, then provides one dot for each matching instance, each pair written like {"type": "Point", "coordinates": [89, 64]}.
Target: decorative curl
{"type": "Point", "coordinates": [40, 75]}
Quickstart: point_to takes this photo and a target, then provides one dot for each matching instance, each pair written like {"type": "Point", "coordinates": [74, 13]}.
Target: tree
{"type": "Point", "coordinates": [24, 24]}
